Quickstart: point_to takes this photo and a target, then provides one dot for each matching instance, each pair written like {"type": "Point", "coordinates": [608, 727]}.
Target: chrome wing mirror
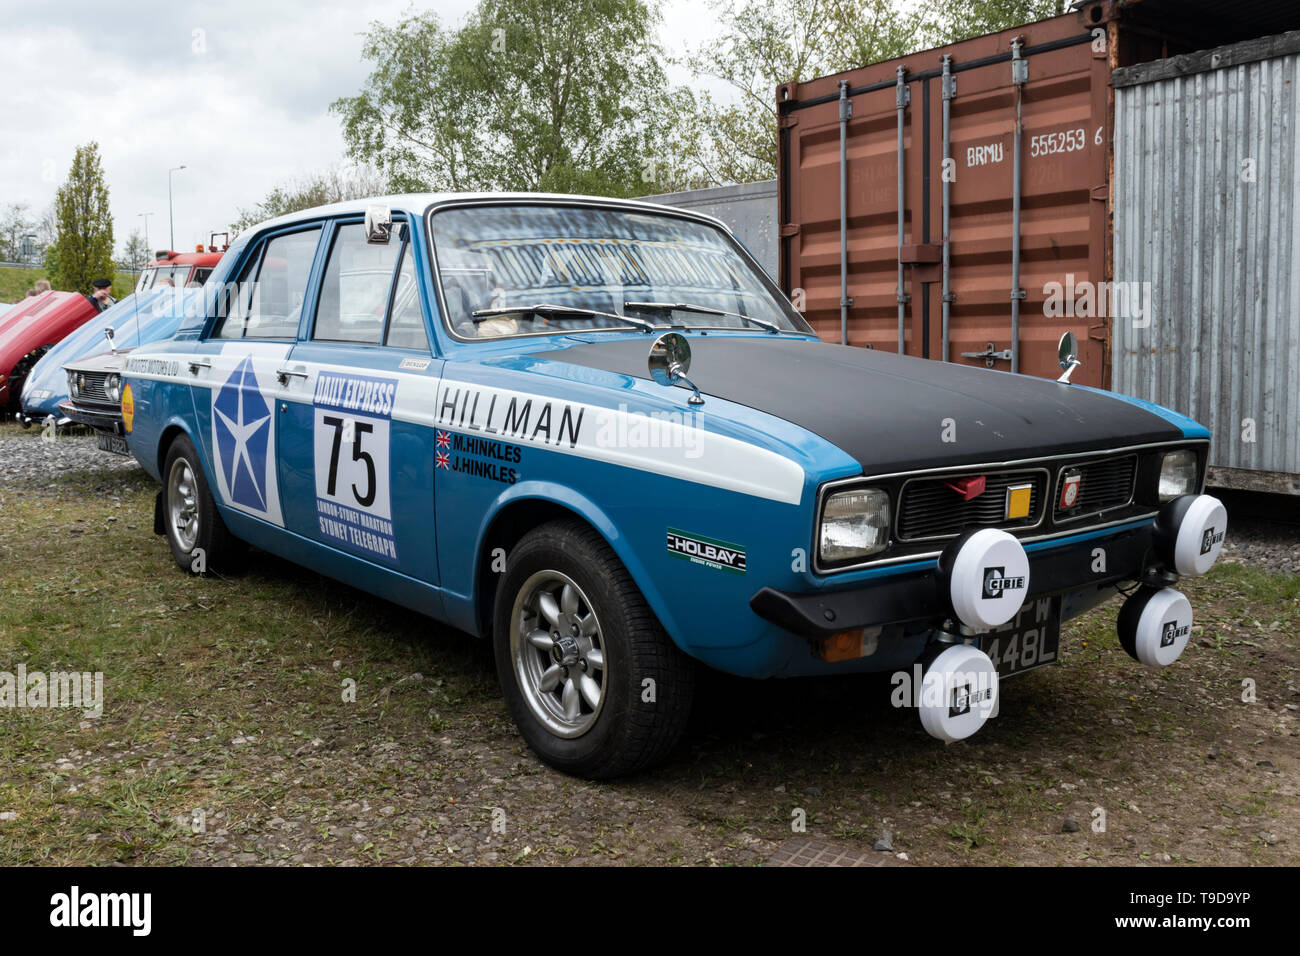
{"type": "Point", "coordinates": [379, 224]}
{"type": "Point", "coordinates": [670, 360]}
{"type": "Point", "coordinates": [109, 332]}
{"type": "Point", "coordinates": [1067, 355]}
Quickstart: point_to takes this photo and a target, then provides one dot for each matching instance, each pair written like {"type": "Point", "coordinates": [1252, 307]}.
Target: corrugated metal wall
{"type": "Point", "coordinates": [1221, 252]}
{"type": "Point", "coordinates": [749, 209]}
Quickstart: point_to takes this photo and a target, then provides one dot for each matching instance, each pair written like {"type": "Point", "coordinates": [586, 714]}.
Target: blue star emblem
{"type": "Point", "coordinates": [242, 422]}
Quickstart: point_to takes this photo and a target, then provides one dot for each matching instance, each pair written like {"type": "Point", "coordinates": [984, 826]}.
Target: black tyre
{"type": "Point", "coordinates": [595, 685]}
{"type": "Point", "coordinates": [199, 539]}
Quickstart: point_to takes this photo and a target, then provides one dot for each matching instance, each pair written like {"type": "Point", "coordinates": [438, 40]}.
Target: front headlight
{"type": "Point", "coordinates": [1177, 474]}
{"type": "Point", "coordinates": [113, 387]}
{"type": "Point", "coordinates": [855, 524]}
{"type": "Point", "coordinates": [74, 384]}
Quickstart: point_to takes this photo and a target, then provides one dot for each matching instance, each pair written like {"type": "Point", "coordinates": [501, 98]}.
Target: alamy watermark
{"type": "Point", "coordinates": [38, 690]}
{"type": "Point", "coordinates": [1090, 300]}
{"type": "Point", "coordinates": [657, 429]}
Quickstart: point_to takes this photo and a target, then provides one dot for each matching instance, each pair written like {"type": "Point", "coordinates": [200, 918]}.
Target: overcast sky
{"type": "Point", "coordinates": [237, 91]}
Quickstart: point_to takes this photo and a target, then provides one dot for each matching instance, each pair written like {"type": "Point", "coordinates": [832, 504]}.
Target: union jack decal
{"type": "Point", "coordinates": [444, 439]}
{"type": "Point", "coordinates": [443, 460]}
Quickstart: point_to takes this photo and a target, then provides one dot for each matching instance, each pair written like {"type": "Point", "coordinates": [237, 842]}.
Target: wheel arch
{"type": "Point", "coordinates": [528, 508]}
{"type": "Point", "coordinates": [165, 439]}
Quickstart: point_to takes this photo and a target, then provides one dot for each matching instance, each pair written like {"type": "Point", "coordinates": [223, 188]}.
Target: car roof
{"type": "Point", "coordinates": [416, 204]}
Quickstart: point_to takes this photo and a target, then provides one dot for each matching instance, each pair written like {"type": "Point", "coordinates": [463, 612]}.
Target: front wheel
{"type": "Point", "coordinates": [198, 537]}
{"type": "Point", "coordinates": [594, 684]}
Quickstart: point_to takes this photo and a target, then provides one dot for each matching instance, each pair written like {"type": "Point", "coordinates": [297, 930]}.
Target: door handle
{"type": "Point", "coordinates": [285, 373]}
{"type": "Point", "coordinates": [195, 366]}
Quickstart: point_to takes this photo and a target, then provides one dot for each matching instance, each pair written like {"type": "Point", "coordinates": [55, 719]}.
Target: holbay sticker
{"type": "Point", "coordinates": [709, 552]}
{"type": "Point", "coordinates": [351, 446]}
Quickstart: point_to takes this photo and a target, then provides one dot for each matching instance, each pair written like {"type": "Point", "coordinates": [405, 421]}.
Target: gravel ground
{"type": "Point", "coordinates": [29, 460]}
{"type": "Point", "coordinates": [1263, 531]}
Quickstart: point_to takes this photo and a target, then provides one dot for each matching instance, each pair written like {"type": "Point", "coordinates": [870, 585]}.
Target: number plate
{"type": "Point", "coordinates": [1031, 639]}
{"type": "Point", "coordinates": [114, 443]}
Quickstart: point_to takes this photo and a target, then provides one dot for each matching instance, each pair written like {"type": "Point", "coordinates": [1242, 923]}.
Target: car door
{"type": "Point", "coordinates": [234, 371]}
{"type": "Point", "coordinates": [357, 459]}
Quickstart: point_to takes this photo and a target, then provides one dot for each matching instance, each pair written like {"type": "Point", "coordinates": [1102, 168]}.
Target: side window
{"type": "Point", "coordinates": [268, 301]}
{"type": "Point", "coordinates": [406, 325]}
{"type": "Point", "coordinates": [354, 293]}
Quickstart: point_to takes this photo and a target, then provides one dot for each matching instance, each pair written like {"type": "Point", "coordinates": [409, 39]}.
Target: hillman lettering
{"type": "Point", "coordinates": [520, 419]}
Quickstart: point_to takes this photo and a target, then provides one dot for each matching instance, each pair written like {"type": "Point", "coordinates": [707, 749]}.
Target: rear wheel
{"type": "Point", "coordinates": [591, 679]}
{"type": "Point", "coordinates": [199, 539]}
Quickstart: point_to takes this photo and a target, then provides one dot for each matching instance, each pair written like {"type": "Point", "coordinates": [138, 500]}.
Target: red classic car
{"type": "Point", "coordinates": [28, 329]}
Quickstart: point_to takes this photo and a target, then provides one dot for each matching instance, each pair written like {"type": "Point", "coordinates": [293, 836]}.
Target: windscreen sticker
{"type": "Point", "coordinates": [353, 416]}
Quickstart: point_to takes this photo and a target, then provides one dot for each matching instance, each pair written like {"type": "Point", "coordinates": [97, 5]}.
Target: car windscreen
{"type": "Point", "coordinates": [492, 258]}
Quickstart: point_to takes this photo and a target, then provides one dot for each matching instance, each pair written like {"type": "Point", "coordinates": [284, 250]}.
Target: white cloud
{"type": "Point", "coordinates": [243, 103]}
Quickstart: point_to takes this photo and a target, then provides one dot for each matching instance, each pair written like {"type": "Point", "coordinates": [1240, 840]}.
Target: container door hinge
{"type": "Point", "coordinates": [1100, 193]}
{"type": "Point", "coordinates": [989, 355]}
{"type": "Point", "coordinates": [789, 229]}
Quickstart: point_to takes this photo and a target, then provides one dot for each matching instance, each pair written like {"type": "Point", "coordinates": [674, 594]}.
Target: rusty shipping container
{"type": "Point", "coordinates": [957, 203]}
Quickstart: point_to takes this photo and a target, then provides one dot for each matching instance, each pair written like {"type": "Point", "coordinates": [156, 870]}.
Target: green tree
{"type": "Point", "coordinates": [320, 188]}
{"type": "Point", "coordinates": [82, 250]}
{"type": "Point", "coordinates": [136, 253]}
{"type": "Point", "coordinates": [548, 95]}
{"type": "Point", "coordinates": [769, 42]}
{"type": "Point", "coordinates": [947, 21]}
{"type": "Point", "coordinates": [16, 224]}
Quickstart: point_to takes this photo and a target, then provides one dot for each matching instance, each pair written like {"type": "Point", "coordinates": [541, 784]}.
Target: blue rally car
{"type": "Point", "coordinates": [595, 433]}
{"type": "Point", "coordinates": [140, 318]}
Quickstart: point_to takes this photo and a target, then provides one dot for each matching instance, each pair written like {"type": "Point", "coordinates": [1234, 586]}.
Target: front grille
{"type": "Point", "coordinates": [92, 389]}
{"type": "Point", "coordinates": [1104, 484]}
{"type": "Point", "coordinates": [930, 509]}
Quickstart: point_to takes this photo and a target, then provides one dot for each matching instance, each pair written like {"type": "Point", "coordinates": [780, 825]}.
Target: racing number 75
{"type": "Point", "coordinates": [358, 429]}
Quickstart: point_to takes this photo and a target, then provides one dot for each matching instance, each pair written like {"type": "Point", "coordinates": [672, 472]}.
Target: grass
{"type": "Point", "coordinates": [225, 704]}
{"type": "Point", "coordinates": [15, 281]}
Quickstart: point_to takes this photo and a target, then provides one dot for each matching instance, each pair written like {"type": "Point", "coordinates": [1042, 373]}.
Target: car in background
{"type": "Point", "coordinates": [183, 269]}
{"type": "Point", "coordinates": [28, 330]}
{"type": "Point", "coordinates": [139, 318]}
{"type": "Point", "coordinates": [91, 383]}
{"type": "Point", "coordinates": [502, 435]}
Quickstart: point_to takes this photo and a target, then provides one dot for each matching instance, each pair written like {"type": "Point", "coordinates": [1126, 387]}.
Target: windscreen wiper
{"type": "Point", "coordinates": [703, 310]}
{"type": "Point", "coordinates": [546, 308]}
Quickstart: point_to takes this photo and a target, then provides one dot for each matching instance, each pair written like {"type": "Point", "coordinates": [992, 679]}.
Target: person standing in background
{"type": "Point", "coordinates": [101, 298]}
